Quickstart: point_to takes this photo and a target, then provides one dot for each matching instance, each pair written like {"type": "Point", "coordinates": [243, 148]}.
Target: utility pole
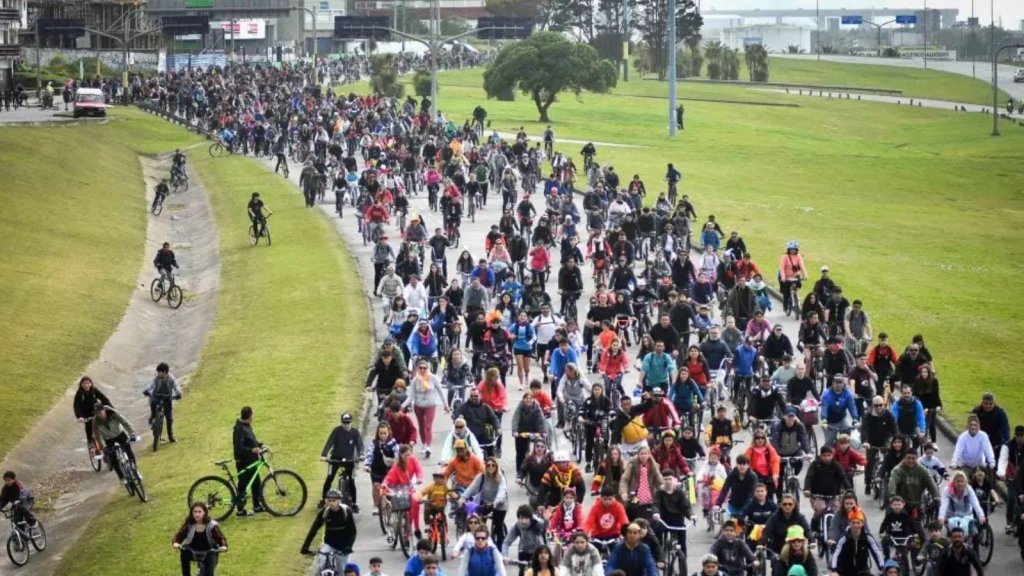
{"type": "Point", "coordinates": [817, 26]}
{"type": "Point", "coordinates": [925, 34]}
{"type": "Point", "coordinates": [973, 38]}
{"type": "Point", "coordinates": [671, 68]}
{"type": "Point", "coordinates": [995, 82]}
{"type": "Point", "coordinates": [625, 41]}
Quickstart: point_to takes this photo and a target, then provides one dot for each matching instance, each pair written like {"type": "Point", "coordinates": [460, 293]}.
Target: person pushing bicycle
{"type": "Point", "coordinates": [160, 391]}
{"type": "Point", "coordinates": [247, 450]}
{"type": "Point", "coordinates": [165, 261]}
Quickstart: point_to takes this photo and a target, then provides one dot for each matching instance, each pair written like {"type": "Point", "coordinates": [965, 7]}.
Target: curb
{"type": "Point", "coordinates": [863, 89]}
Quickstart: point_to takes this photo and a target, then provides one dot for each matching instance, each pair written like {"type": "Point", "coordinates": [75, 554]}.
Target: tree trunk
{"type": "Point", "coordinates": [542, 105]}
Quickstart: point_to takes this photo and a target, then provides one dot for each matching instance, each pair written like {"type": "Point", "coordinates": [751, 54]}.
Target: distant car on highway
{"type": "Point", "coordinates": [1019, 75]}
{"type": "Point", "coordinates": [89, 102]}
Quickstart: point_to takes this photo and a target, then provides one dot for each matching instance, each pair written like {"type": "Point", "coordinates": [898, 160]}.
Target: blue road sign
{"type": "Point", "coordinates": [906, 19]}
{"type": "Point", "coordinates": [853, 20]}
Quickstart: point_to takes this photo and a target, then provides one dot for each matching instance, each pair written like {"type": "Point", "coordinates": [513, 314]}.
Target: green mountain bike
{"type": "Point", "coordinates": [282, 492]}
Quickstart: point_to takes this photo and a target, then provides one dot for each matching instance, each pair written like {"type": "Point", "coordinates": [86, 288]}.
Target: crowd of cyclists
{"type": "Point", "coordinates": [622, 413]}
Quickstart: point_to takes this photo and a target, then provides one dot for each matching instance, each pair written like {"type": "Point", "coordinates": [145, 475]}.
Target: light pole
{"type": "Point", "coordinates": [671, 68]}
{"type": "Point", "coordinates": [925, 34]}
{"type": "Point", "coordinates": [878, 28]}
{"type": "Point", "coordinates": [817, 25]}
{"type": "Point", "coordinates": [995, 84]}
{"type": "Point", "coordinates": [625, 41]}
{"type": "Point", "coordinates": [973, 21]}
{"type": "Point", "coordinates": [313, 14]}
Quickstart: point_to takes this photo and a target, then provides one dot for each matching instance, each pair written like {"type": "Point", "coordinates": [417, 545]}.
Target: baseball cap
{"type": "Point", "coordinates": [824, 268]}
{"type": "Point", "coordinates": [346, 418]}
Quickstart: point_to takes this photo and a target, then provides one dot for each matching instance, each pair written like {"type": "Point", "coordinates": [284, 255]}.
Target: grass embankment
{"type": "Point", "coordinates": [916, 82]}
{"type": "Point", "coordinates": [291, 340]}
{"type": "Point", "coordinates": [916, 210]}
{"type": "Point", "coordinates": [74, 223]}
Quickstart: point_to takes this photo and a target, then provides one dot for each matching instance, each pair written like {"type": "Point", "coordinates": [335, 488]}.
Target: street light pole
{"type": "Point", "coordinates": [817, 25]}
{"type": "Point", "coordinates": [973, 39]}
{"type": "Point", "coordinates": [925, 34]}
{"type": "Point", "coordinates": [671, 68]}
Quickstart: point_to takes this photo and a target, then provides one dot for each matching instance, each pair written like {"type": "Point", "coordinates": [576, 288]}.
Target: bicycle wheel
{"type": "Point", "coordinates": [156, 290]}
{"type": "Point", "coordinates": [38, 536]}
{"type": "Point", "coordinates": [392, 526]}
{"type": "Point", "coordinates": [157, 209]}
{"type": "Point", "coordinates": [216, 149]}
{"type": "Point", "coordinates": [217, 493]}
{"type": "Point", "coordinates": [253, 239]}
{"type": "Point", "coordinates": [174, 297]}
{"type": "Point", "coordinates": [443, 539]}
{"type": "Point", "coordinates": [403, 536]}
{"type": "Point", "coordinates": [158, 427]}
{"type": "Point", "coordinates": [283, 493]}
{"type": "Point", "coordinates": [985, 544]}
{"type": "Point", "coordinates": [266, 233]}
{"type": "Point", "coordinates": [136, 481]}
{"type": "Point", "coordinates": [183, 184]}
{"type": "Point", "coordinates": [383, 513]}
{"type": "Point", "coordinates": [18, 550]}
{"type": "Point", "coordinates": [95, 458]}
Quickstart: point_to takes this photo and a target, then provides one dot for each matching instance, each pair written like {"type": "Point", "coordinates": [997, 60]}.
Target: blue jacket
{"type": "Point", "coordinates": [635, 562]}
{"type": "Point", "coordinates": [486, 280]}
{"type": "Point", "coordinates": [682, 394]}
{"type": "Point", "coordinates": [658, 369]}
{"type": "Point", "coordinates": [523, 336]}
{"type": "Point", "coordinates": [559, 360]}
{"type": "Point", "coordinates": [744, 359]}
{"type": "Point", "coordinates": [834, 407]}
{"type": "Point", "coordinates": [918, 414]}
{"type": "Point", "coordinates": [419, 348]}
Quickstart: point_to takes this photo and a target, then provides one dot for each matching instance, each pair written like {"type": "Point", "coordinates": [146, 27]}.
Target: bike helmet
{"type": "Point", "coordinates": [561, 456]}
{"type": "Point", "coordinates": [333, 494]}
{"type": "Point", "coordinates": [792, 245]}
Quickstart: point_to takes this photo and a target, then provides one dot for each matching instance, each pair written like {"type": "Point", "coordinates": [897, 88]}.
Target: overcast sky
{"type": "Point", "coordinates": [1011, 11]}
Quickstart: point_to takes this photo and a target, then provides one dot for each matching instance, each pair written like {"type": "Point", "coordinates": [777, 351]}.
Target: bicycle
{"type": "Point", "coordinates": [675, 558]}
{"type": "Point", "coordinates": [285, 497]}
{"type": "Point", "coordinates": [164, 285]}
{"type": "Point", "coordinates": [264, 232]}
{"type": "Point", "coordinates": [129, 470]}
{"type": "Point", "coordinates": [179, 181]}
{"type": "Point", "coordinates": [395, 508]}
{"type": "Point", "coordinates": [157, 424]}
{"type": "Point", "coordinates": [905, 553]}
{"type": "Point", "coordinates": [218, 148]}
{"type": "Point", "coordinates": [790, 483]}
{"type": "Point", "coordinates": [453, 234]}
{"type": "Point", "coordinates": [199, 558]}
{"type": "Point", "coordinates": [820, 529]}
{"type": "Point", "coordinates": [569, 305]}
{"type": "Point", "coordinates": [158, 205]}
{"type": "Point", "coordinates": [21, 534]}
{"type": "Point", "coordinates": [95, 453]}
{"type": "Point", "coordinates": [438, 535]}
{"type": "Point", "coordinates": [343, 478]}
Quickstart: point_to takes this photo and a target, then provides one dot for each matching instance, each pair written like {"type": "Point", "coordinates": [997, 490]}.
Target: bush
{"type": "Point", "coordinates": [384, 76]}
{"type": "Point", "coordinates": [421, 83]}
{"type": "Point", "coordinates": [57, 61]}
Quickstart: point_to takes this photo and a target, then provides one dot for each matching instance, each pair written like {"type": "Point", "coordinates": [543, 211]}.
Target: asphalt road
{"type": "Point", "coordinates": [981, 70]}
{"type": "Point", "coordinates": [370, 541]}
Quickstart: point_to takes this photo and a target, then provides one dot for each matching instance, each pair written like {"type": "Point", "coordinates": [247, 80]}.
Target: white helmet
{"type": "Point", "coordinates": [561, 456]}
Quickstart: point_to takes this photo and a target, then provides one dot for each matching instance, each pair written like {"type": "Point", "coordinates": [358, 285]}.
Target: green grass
{"type": "Point", "coordinates": [74, 223]}
{"type": "Point", "coordinates": [914, 82]}
{"type": "Point", "coordinates": [916, 210]}
{"type": "Point", "coordinates": [291, 339]}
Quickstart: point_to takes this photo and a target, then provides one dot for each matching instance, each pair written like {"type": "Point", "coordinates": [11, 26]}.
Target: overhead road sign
{"type": "Point", "coordinates": [362, 27]}
{"type": "Point", "coordinates": [854, 20]}
{"type": "Point", "coordinates": [496, 28]}
{"type": "Point", "coordinates": [906, 19]}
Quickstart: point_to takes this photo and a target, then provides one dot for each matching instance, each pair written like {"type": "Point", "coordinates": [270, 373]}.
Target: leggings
{"type": "Point", "coordinates": [349, 471]}
{"type": "Point", "coordinates": [209, 563]}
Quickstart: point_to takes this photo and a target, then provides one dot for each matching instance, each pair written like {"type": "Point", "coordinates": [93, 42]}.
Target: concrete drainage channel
{"type": "Point", "coordinates": [53, 454]}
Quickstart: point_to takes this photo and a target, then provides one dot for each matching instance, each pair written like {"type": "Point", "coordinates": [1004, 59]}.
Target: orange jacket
{"type": "Point", "coordinates": [764, 462]}
{"type": "Point", "coordinates": [465, 470]}
{"type": "Point", "coordinates": [496, 399]}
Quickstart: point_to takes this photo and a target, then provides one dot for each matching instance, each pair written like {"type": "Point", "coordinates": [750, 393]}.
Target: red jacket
{"type": "Point", "coordinates": [605, 522]}
{"type": "Point", "coordinates": [402, 428]}
{"type": "Point", "coordinates": [764, 463]}
{"type": "Point", "coordinates": [849, 459]}
{"type": "Point", "coordinates": [671, 458]}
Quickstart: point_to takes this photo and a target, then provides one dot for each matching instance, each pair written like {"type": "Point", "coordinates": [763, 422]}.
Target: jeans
{"type": "Point", "coordinates": [425, 421]}
{"type": "Point", "coordinates": [108, 451]}
{"type": "Point", "coordinates": [244, 476]}
{"type": "Point", "coordinates": [209, 563]}
{"type": "Point", "coordinates": [164, 404]}
{"type": "Point", "coordinates": [348, 471]}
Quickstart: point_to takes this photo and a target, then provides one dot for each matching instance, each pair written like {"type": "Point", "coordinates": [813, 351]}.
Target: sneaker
{"type": "Point", "coordinates": [426, 453]}
{"type": "Point", "coordinates": [258, 509]}
{"type": "Point", "coordinates": [418, 534]}
{"type": "Point", "coordinates": [355, 508]}
{"type": "Point", "coordinates": [243, 513]}
{"type": "Point", "coordinates": [589, 468]}
{"type": "Point", "coordinates": [1009, 529]}
{"type": "Point", "coordinates": [173, 440]}
{"type": "Point", "coordinates": [376, 512]}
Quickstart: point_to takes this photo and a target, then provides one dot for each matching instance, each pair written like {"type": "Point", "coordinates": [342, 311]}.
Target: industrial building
{"type": "Point", "coordinates": [774, 37]}
{"type": "Point", "coordinates": [12, 19]}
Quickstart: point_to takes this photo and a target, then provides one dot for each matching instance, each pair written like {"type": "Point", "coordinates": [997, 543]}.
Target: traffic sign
{"type": "Point", "coordinates": [362, 27]}
{"type": "Point", "coordinates": [503, 28]}
{"type": "Point", "coordinates": [857, 20]}
{"type": "Point", "coordinates": [972, 22]}
{"type": "Point", "coordinates": [906, 18]}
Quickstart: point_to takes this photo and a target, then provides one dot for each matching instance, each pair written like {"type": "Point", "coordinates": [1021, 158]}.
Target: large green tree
{"type": "Point", "coordinates": [651, 18]}
{"type": "Point", "coordinates": [546, 64]}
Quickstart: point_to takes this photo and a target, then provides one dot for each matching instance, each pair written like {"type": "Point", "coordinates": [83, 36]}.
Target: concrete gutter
{"type": "Point", "coordinates": [864, 89]}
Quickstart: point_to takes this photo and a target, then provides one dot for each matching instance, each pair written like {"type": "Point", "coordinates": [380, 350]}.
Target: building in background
{"type": "Point", "coordinates": [774, 37]}
{"type": "Point", "coordinates": [13, 15]}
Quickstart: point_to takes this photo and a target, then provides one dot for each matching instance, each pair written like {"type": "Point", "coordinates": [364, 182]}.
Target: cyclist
{"type": "Point", "coordinates": [789, 437]}
{"type": "Point", "coordinates": [160, 391]}
{"type": "Point", "coordinates": [86, 398]}
{"type": "Point", "coordinates": [345, 444]}
{"type": "Point", "coordinates": [160, 193]}
{"type": "Point", "coordinates": [562, 476]}
{"type": "Point", "coordinates": [588, 152]}
{"type": "Point", "coordinates": [484, 558]}
{"type": "Point", "coordinates": [256, 209]}
{"type": "Point", "coordinates": [165, 261]}
{"type": "Point", "coordinates": [491, 489]}
{"type": "Point", "coordinates": [199, 533]}
{"type": "Point", "coordinates": [776, 531]}
{"type": "Point", "coordinates": [177, 163]}
{"type": "Point", "coordinates": [958, 558]}
{"type": "Point", "coordinates": [838, 409]}
{"type": "Point", "coordinates": [733, 553]}
{"type": "Point", "coordinates": [247, 450]}
{"type": "Point", "coordinates": [910, 480]}
{"type": "Point", "coordinates": [19, 497]}
{"type": "Point", "coordinates": [380, 455]}
{"type": "Point", "coordinates": [113, 428]}
{"type": "Point", "coordinates": [856, 549]}
{"type": "Point", "coordinates": [973, 449]}
{"type": "Point", "coordinates": [877, 428]}
{"type": "Point", "coordinates": [792, 272]}
{"type": "Point", "coordinates": [339, 527]}
{"type": "Point", "coordinates": [909, 414]}
{"type": "Point", "coordinates": [632, 556]}
{"type": "Point", "coordinates": [824, 482]}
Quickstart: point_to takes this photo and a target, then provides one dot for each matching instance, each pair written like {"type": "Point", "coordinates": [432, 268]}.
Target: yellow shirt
{"type": "Point", "coordinates": [434, 494]}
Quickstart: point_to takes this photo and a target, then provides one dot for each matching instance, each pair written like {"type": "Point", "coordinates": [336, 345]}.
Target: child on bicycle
{"type": "Point", "coordinates": [529, 530]}
{"type": "Point", "coordinates": [719, 432]}
{"type": "Point", "coordinates": [710, 479]}
{"type": "Point", "coordinates": [897, 525]}
{"type": "Point", "coordinates": [434, 497]}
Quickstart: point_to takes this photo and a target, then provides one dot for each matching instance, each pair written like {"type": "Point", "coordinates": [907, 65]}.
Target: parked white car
{"type": "Point", "coordinates": [1019, 75]}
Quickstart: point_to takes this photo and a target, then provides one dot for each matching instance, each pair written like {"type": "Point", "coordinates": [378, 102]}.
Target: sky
{"type": "Point", "coordinates": [1011, 11]}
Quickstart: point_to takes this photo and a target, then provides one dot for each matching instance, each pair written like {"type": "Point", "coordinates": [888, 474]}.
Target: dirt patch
{"type": "Point", "coordinates": [53, 458]}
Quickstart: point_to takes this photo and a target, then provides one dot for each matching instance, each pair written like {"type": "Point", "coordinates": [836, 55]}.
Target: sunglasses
{"type": "Point", "coordinates": [480, 538]}
{"type": "Point", "coordinates": [878, 405]}
{"type": "Point", "coordinates": [422, 367]}
{"type": "Point", "coordinates": [790, 504]}
{"type": "Point", "coordinates": [460, 427]}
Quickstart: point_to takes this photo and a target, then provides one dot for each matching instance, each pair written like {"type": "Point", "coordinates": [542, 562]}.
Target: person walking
{"type": "Point", "coordinates": [425, 396]}
{"type": "Point", "coordinates": [247, 451]}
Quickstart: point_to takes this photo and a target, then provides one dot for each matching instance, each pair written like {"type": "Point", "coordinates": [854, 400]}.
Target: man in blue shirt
{"type": "Point", "coordinates": [632, 556]}
{"type": "Point", "coordinates": [836, 403]}
{"type": "Point", "coordinates": [658, 368]}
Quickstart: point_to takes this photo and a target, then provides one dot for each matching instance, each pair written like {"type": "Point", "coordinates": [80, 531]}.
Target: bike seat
{"type": "Point", "coordinates": [222, 463]}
